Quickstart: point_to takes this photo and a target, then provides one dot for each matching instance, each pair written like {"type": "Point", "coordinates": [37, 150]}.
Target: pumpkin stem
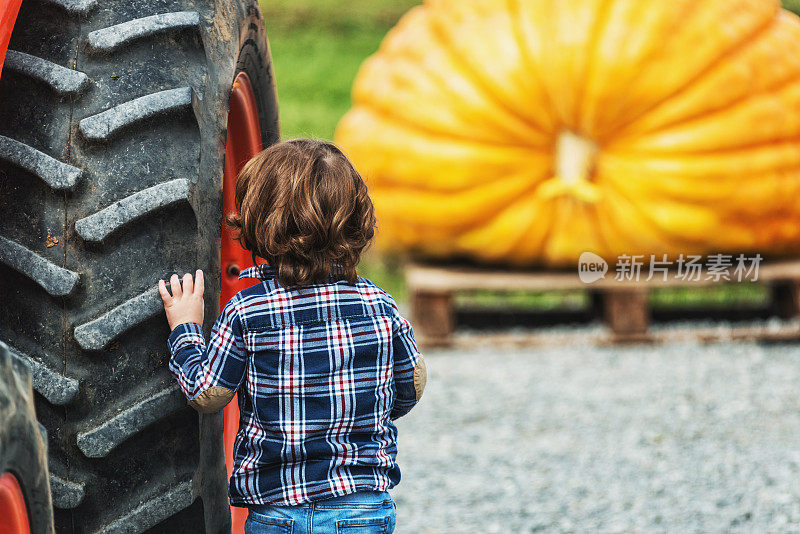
{"type": "Point", "coordinates": [575, 158]}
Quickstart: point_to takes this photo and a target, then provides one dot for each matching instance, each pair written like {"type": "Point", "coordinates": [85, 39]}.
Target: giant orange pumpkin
{"type": "Point", "coordinates": [528, 131]}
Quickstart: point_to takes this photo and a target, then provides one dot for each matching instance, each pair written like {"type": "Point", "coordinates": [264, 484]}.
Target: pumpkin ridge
{"type": "Point", "coordinates": [513, 7]}
{"type": "Point", "coordinates": [707, 152]}
{"type": "Point", "coordinates": [668, 240]}
{"type": "Point", "coordinates": [780, 86]}
{"type": "Point", "coordinates": [393, 115]}
{"type": "Point", "coordinates": [411, 64]}
{"type": "Point", "coordinates": [456, 232]}
{"type": "Point", "coordinates": [754, 35]}
{"type": "Point", "coordinates": [503, 197]}
{"type": "Point", "coordinates": [674, 239]}
{"type": "Point", "coordinates": [602, 240]}
{"type": "Point", "coordinates": [597, 30]}
{"type": "Point", "coordinates": [467, 69]}
{"type": "Point", "coordinates": [553, 224]}
{"type": "Point", "coordinates": [393, 111]}
{"type": "Point", "coordinates": [623, 92]}
{"type": "Point", "coordinates": [545, 237]}
{"type": "Point", "coordinates": [679, 194]}
{"type": "Point", "coordinates": [480, 34]}
{"type": "Point", "coordinates": [439, 152]}
{"type": "Point", "coordinates": [607, 224]}
{"type": "Point", "coordinates": [561, 247]}
{"type": "Point", "coordinates": [651, 178]}
{"type": "Point", "coordinates": [522, 200]}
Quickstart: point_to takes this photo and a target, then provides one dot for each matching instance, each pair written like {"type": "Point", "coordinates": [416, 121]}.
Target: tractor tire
{"type": "Point", "coordinates": [113, 119]}
{"type": "Point", "coordinates": [23, 452]}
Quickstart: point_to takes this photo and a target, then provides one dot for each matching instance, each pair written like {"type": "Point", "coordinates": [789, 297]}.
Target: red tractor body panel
{"type": "Point", "coordinates": [8, 15]}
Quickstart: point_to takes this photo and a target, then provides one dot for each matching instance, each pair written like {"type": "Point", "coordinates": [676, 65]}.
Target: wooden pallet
{"type": "Point", "coordinates": [623, 305]}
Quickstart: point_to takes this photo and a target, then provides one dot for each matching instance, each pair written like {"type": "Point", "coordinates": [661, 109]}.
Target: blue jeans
{"type": "Point", "coordinates": [363, 512]}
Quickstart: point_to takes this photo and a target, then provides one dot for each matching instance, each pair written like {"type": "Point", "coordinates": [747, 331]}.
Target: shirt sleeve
{"type": "Point", "coordinates": [408, 364]}
{"type": "Point", "coordinates": [209, 375]}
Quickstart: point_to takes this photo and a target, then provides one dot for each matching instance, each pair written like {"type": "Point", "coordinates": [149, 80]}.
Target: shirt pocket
{"type": "Point", "coordinates": [265, 341]}
{"type": "Point", "coordinates": [273, 353]}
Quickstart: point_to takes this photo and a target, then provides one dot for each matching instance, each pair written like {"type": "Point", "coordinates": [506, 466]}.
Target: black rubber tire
{"type": "Point", "coordinates": [130, 118]}
{"type": "Point", "coordinates": [22, 448]}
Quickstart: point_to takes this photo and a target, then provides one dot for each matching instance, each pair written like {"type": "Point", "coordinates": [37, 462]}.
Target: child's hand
{"type": "Point", "coordinates": [185, 305]}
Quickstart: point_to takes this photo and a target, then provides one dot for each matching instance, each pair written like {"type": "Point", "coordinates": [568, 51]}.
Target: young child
{"type": "Point", "coordinates": [321, 358]}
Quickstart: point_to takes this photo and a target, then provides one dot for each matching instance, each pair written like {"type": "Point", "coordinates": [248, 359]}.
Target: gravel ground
{"type": "Point", "coordinates": [673, 438]}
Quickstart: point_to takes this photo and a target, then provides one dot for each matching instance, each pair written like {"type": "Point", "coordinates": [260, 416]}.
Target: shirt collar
{"type": "Point", "coordinates": [265, 272]}
{"type": "Point", "coordinates": [261, 272]}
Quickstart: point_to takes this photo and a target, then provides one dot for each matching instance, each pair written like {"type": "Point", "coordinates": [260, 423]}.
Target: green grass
{"type": "Point", "coordinates": [723, 296]}
{"type": "Point", "coordinates": [739, 295]}
{"type": "Point", "coordinates": [317, 47]}
{"type": "Point", "coordinates": [523, 300]}
{"type": "Point", "coordinates": [387, 273]}
{"type": "Point", "coordinates": [792, 5]}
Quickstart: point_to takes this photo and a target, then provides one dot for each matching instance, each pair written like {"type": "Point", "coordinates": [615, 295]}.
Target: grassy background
{"type": "Point", "coordinates": [792, 5]}
{"type": "Point", "coordinates": [317, 48]}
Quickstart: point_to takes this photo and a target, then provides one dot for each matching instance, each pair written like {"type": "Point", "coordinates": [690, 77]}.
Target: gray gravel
{"type": "Point", "coordinates": [673, 438]}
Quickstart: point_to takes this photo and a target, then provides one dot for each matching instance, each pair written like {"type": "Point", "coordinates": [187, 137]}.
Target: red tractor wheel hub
{"type": "Point", "coordinates": [13, 512]}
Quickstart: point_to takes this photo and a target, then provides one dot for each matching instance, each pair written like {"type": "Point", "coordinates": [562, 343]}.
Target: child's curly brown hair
{"type": "Point", "coordinates": [304, 208]}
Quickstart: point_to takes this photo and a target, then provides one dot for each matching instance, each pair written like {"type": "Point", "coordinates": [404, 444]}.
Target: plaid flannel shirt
{"type": "Point", "coordinates": [320, 374]}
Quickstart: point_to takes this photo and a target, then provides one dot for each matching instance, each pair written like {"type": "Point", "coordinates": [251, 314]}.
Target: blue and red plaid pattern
{"type": "Point", "coordinates": [320, 372]}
